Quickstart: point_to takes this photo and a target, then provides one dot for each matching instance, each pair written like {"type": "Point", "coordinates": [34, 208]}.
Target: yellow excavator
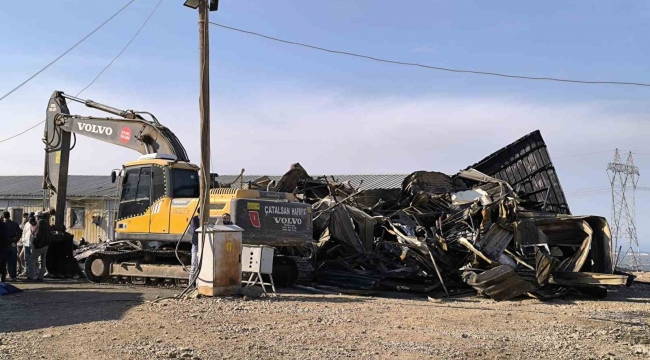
{"type": "Point", "coordinates": [158, 196]}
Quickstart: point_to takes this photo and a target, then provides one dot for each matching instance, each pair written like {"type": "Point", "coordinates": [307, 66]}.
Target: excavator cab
{"type": "Point", "coordinates": [158, 197]}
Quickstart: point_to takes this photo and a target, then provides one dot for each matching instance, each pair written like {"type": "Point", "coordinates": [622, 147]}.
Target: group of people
{"type": "Point", "coordinates": [23, 247]}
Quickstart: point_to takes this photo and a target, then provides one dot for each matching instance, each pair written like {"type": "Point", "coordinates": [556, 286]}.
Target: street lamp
{"type": "Point", "coordinates": [214, 4]}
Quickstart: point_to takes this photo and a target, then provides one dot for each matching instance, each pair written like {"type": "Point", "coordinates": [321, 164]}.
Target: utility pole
{"type": "Point", "coordinates": [204, 7]}
{"type": "Point", "coordinates": [204, 105]}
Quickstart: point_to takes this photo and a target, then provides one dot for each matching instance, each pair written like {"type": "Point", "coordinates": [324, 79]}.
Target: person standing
{"type": "Point", "coordinates": [42, 238]}
{"type": "Point", "coordinates": [4, 251]}
{"type": "Point", "coordinates": [25, 220]}
{"type": "Point", "coordinates": [13, 236]}
{"type": "Point", "coordinates": [21, 252]}
{"type": "Point", "coordinates": [194, 225]}
{"type": "Point", "coordinates": [28, 244]}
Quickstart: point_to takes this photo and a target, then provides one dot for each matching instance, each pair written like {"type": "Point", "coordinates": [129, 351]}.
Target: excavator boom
{"type": "Point", "coordinates": [130, 130]}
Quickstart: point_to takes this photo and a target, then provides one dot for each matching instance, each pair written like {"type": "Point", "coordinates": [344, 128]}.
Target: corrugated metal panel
{"type": "Point", "coordinates": [368, 182]}
{"type": "Point", "coordinates": [90, 231]}
{"type": "Point", "coordinates": [526, 165]}
{"type": "Point", "coordinates": [78, 186]}
{"type": "Point", "coordinates": [371, 182]}
{"type": "Point", "coordinates": [21, 186]}
{"type": "Point", "coordinates": [27, 205]}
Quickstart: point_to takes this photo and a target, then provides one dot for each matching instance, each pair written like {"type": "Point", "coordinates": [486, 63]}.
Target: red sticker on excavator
{"type": "Point", "coordinates": [255, 218]}
{"type": "Point", "coordinates": [125, 134]}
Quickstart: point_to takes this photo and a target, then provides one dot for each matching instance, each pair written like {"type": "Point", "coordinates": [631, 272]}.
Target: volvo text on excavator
{"type": "Point", "coordinates": [157, 197]}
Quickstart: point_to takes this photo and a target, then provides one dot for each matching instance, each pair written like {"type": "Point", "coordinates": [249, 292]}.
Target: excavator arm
{"type": "Point", "coordinates": [130, 129]}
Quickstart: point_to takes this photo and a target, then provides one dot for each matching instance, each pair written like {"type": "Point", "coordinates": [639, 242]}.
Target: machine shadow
{"type": "Point", "coordinates": [51, 307]}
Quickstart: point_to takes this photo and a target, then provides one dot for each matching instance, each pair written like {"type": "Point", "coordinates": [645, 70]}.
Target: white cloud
{"type": "Point", "coordinates": [329, 133]}
{"type": "Point", "coordinates": [333, 133]}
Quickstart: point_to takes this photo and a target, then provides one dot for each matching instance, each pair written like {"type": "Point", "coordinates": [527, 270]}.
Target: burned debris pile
{"type": "Point", "coordinates": [501, 226]}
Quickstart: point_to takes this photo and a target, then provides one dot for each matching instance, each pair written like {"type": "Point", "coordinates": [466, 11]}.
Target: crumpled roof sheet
{"type": "Point", "coordinates": [526, 165]}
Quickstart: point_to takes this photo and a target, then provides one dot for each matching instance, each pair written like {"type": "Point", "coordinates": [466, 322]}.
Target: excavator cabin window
{"type": "Point", "coordinates": [158, 183]}
{"type": "Point", "coordinates": [136, 192]}
{"type": "Point", "coordinates": [144, 185]}
{"type": "Point", "coordinates": [185, 183]}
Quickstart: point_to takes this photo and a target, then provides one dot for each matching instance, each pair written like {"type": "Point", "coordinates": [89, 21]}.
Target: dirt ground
{"type": "Point", "coordinates": [78, 320]}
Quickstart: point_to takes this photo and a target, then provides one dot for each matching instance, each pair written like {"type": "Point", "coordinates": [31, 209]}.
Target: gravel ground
{"type": "Point", "coordinates": [68, 320]}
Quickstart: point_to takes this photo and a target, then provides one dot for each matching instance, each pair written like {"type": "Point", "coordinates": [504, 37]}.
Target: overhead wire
{"type": "Point", "coordinates": [583, 154]}
{"type": "Point", "coordinates": [22, 132]}
{"type": "Point", "coordinates": [315, 48]}
{"type": "Point", "coordinates": [587, 190]}
{"type": "Point", "coordinates": [104, 69]}
{"type": "Point", "coordinates": [475, 72]}
{"type": "Point", "coordinates": [600, 190]}
{"type": "Point", "coordinates": [67, 51]}
{"type": "Point", "coordinates": [123, 49]}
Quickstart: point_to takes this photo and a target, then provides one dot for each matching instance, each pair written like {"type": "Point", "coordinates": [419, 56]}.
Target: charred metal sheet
{"type": "Point", "coordinates": [600, 257]}
{"type": "Point", "coordinates": [377, 199]}
{"type": "Point", "coordinates": [342, 229]}
{"type": "Point", "coordinates": [601, 245]}
{"type": "Point", "coordinates": [528, 234]}
{"type": "Point", "coordinates": [587, 278]}
{"type": "Point", "coordinates": [527, 167]}
{"type": "Point", "coordinates": [477, 176]}
{"type": "Point", "coordinates": [568, 234]}
{"type": "Point", "coordinates": [500, 283]}
{"type": "Point", "coordinates": [431, 182]}
{"type": "Point", "coordinates": [290, 180]}
{"type": "Point", "coordinates": [528, 237]}
{"type": "Point", "coordinates": [494, 242]}
{"type": "Point", "coordinates": [365, 226]}
{"type": "Point", "coordinates": [544, 266]}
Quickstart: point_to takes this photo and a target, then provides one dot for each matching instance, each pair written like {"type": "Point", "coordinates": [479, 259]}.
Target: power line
{"type": "Point", "coordinates": [17, 135]}
{"type": "Point", "coordinates": [429, 66]}
{"type": "Point", "coordinates": [600, 190]}
{"type": "Point", "coordinates": [123, 49]}
{"type": "Point", "coordinates": [66, 52]}
{"type": "Point", "coordinates": [584, 154]}
{"type": "Point", "coordinates": [583, 190]}
{"type": "Point", "coordinates": [104, 69]}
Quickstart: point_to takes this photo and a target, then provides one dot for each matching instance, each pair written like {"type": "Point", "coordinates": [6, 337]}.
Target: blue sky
{"type": "Point", "coordinates": [275, 104]}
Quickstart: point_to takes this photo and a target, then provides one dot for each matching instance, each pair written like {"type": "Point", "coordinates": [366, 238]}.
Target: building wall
{"type": "Point", "coordinates": [91, 207]}
{"type": "Point", "coordinates": [90, 230]}
{"type": "Point", "coordinates": [27, 205]}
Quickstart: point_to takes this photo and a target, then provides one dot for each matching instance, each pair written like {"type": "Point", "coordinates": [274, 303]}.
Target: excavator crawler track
{"type": "Point", "coordinates": [97, 266]}
{"type": "Point", "coordinates": [292, 270]}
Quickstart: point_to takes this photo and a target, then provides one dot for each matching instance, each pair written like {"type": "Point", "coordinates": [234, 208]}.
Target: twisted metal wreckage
{"type": "Point", "coordinates": [501, 226]}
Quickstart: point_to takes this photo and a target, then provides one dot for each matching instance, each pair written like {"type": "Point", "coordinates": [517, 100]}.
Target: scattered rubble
{"type": "Point", "coordinates": [501, 226]}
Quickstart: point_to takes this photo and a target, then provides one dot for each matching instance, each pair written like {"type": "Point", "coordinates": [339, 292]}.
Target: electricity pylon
{"type": "Point", "coordinates": [623, 178]}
